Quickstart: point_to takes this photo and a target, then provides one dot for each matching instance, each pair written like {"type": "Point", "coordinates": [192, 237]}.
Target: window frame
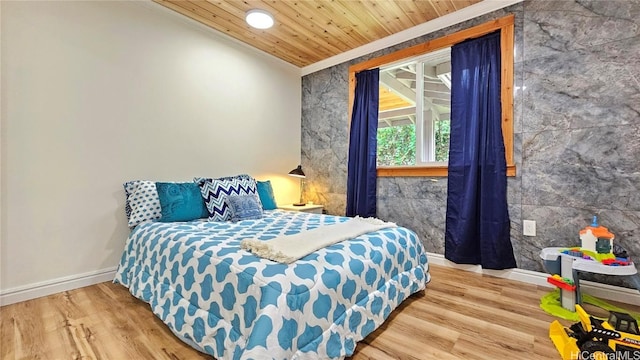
{"type": "Point", "coordinates": [506, 27]}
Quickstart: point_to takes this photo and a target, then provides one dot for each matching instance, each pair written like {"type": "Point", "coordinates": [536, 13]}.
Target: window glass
{"type": "Point", "coordinates": [624, 326]}
{"type": "Point", "coordinates": [396, 145]}
{"type": "Point", "coordinates": [414, 111]}
{"type": "Point", "coordinates": [405, 112]}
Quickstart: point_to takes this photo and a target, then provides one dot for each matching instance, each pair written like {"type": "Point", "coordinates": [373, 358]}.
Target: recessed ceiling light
{"type": "Point", "coordinates": [259, 19]}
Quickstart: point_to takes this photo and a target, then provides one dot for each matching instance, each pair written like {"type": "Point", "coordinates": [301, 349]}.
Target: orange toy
{"type": "Point", "coordinates": [596, 238]}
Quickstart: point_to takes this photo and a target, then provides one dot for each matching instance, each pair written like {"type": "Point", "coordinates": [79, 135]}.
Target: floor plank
{"type": "Point", "coordinates": [461, 315]}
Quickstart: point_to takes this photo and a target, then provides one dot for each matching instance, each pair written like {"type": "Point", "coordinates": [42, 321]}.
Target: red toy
{"type": "Point", "coordinates": [562, 283]}
{"type": "Point", "coordinates": [616, 262]}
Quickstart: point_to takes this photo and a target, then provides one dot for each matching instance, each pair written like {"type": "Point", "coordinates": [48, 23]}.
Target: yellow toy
{"type": "Point", "coordinates": [591, 338]}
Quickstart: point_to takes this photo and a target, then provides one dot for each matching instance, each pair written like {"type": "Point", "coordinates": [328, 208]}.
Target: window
{"type": "Point", "coordinates": [414, 129]}
{"type": "Point", "coordinates": [400, 151]}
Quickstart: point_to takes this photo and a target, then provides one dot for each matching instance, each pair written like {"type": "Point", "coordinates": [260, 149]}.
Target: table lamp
{"type": "Point", "coordinates": [297, 172]}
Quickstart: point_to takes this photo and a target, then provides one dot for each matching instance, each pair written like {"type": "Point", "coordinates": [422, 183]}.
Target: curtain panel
{"type": "Point", "coordinates": [362, 177]}
{"type": "Point", "coordinates": [477, 218]}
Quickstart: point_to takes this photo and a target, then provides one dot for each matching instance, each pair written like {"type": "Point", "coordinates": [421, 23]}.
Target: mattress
{"type": "Point", "coordinates": [231, 304]}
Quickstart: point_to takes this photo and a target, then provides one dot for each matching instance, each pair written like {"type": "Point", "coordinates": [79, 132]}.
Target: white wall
{"type": "Point", "coordinates": [98, 93]}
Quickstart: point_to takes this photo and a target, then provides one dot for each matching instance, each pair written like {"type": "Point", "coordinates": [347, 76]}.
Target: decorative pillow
{"type": "Point", "coordinates": [244, 207]}
{"type": "Point", "coordinates": [214, 192]}
{"type": "Point", "coordinates": [265, 191]}
{"type": "Point", "coordinates": [181, 202]}
{"type": "Point", "coordinates": [142, 202]}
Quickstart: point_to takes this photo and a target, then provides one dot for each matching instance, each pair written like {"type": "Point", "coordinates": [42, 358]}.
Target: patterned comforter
{"type": "Point", "coordinates": [226, 302]}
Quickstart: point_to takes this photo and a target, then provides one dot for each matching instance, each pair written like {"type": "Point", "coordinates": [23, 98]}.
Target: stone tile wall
{"type": "Point", "coordinates": [577, 131]}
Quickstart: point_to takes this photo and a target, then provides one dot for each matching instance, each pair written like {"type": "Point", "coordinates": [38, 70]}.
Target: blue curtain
{"type": "Point", "coordinates": [477, 223]}
{"type": "Point", "coordinates": [361, 176]}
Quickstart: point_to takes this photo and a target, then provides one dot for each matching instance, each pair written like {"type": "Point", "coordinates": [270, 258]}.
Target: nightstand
{"type": "Point", "coordinates": [315, 208]}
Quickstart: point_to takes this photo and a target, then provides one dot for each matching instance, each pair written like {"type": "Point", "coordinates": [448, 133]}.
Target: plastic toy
{"type": "Point", "coordinates": [616, 262]}
{"type": "Point", "coordinates": [591, 338]}
{"type": "Point", "coordinates": [597, 240]}
{"type": "Point", "coordinates": [550, 303]}
{"type": "Point", "coordinates": [597, 254]}
{"type": "Point", "coordinates": [562, 283]}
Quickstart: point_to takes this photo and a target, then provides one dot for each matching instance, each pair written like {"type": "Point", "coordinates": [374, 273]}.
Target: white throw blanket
{"type": "Point", "coordinates": [289, 248]}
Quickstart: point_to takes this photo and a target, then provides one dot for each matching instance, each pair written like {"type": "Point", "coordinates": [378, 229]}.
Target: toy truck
{"type": "Point", "coordinates": [592, 338]}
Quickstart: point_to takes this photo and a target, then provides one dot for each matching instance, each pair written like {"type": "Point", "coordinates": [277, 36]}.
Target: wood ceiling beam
{"type": "Point", "coordinates": [389, 114]}
{"type": "Point", "coordinates": [398, 88]}
{"type": "Point", "coordinates": [403, 74]}
{"type": "Point", "coordinates": [443, 102]}
{"type": "Point", "coordinates": [443, 68]}
{"type": "Point", "coordinates": [438, 87]}
{"type": "Point", "coordinates": [437, 95]}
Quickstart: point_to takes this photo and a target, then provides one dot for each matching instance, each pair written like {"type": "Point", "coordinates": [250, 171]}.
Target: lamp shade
{"type": "Point", "coordinates": [297, 172]}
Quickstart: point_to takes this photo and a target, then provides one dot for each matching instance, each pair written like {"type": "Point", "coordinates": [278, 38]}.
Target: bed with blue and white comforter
{"type": "Point", "coordinates": [231, 304]}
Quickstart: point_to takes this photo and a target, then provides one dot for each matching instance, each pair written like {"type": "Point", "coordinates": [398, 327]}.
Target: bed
{"type": "Point", "coordinates": [231, 304]}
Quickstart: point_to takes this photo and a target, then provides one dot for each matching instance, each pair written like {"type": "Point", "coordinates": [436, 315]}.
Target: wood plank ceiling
{"type": "Point", "coordinates": [307, 31]}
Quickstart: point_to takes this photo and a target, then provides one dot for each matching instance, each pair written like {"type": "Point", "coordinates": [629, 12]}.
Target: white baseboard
{"type": "Point", "coordinates": [599, 290]}
{"type": "Point", "coordinates": [32, 291]}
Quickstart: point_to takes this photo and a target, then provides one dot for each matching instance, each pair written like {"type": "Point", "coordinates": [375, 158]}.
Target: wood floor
{"type": "Point", "coordinates": [460, 315]}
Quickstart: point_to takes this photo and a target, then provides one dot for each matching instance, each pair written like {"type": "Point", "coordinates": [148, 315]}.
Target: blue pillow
{"type": "Point", "coordinates": [265, 191]}
{"type": "Point", "coordinates": [244, 207]}
{"type": "Point", "coordinates": [181, 202]}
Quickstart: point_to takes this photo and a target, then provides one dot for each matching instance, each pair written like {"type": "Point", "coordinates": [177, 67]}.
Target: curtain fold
{"type": "Point", "coordinates": [477, 221]}
{"type": "Point", "coordinates": [361, 176]}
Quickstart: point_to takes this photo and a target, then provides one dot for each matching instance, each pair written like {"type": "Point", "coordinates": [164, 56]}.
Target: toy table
{"type": "Point", "coordinates": [568, 267]}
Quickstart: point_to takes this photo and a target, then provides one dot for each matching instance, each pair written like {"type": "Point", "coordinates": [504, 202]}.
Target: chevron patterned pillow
{"type": "Point", "coordinates": [215, 191]}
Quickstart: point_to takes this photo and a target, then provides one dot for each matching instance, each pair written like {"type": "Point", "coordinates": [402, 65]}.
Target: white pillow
{"type": "Point", "coordinates": [142, 202]}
